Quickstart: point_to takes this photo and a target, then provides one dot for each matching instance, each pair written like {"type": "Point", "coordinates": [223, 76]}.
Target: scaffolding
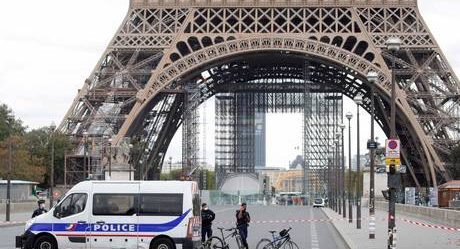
{"type": "Point", "coordinates": [322, 117]}
{"type": "Point", "coordinates": [190, 134]}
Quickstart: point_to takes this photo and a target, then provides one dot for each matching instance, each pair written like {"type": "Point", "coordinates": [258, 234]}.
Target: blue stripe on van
{"type": "Point", "coordinates": [108, 227]}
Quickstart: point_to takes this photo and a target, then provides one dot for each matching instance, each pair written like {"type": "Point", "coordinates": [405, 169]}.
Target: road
{"type": "Point", "coordinates": [308, 231]}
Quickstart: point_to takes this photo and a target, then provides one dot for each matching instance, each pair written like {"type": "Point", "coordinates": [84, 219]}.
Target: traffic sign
{"type": "Point", "coordinates": [395, 161]}
{"type": "Point", "coordinates": [392, 148]}
{"type": "Point", "coordinates": [371, 145]}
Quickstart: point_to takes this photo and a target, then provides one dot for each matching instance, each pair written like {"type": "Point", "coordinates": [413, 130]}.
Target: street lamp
{"type": "Point", "coordinates": [342, 173]}
{"type": "Point", "coordinates": [358, 100]}
{"type": "Point", "coordinates": [332, 178]}
{"type": "Point", "coordinates": [393, 45]}
{"type": "Point", "coordinates": [337, 173]}
{"type": "Point", "coordinates": [131, 146]}
{"type": "Point", "coordinates": [110, 158]}
{"type": "Point", "coordinates": [52, 130]}
{"type": "Point", "coordinates": [329, 181]}
{"type": "Point", "coordinates": [349, 116]}
{"type": "Point", "coordinates": [372, 77]}
{"type": "Point", "coordinates": [85, 148]}
{"type": "Point", "coordinates": [8, 180]}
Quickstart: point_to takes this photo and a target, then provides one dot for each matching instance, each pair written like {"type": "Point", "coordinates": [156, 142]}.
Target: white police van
{"type": "Point", "coordinates": [120, 214]}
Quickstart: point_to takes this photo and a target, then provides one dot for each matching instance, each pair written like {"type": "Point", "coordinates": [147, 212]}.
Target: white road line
{"type": "Point", "coordinates": [313, 233]}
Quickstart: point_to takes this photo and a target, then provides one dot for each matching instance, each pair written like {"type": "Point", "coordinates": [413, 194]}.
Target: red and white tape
{"type": "Point", "coordinates": [453, 229]}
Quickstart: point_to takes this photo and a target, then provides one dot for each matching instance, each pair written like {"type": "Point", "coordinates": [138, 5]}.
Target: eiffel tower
{"type": "Point", "coordinates": [151, 75]}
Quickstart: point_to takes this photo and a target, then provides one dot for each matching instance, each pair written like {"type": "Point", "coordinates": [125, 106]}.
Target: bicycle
{"type": "Point", "coordinates": [282, 241]}
{"type": "Point", "coordinates": [221, 243]}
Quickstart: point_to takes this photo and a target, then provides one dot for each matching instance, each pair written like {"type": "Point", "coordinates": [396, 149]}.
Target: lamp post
{"type": "Point", "coordinates": [372, 77]}
{"type": "Point", "coordinates": [349, 116]}
{"type": "Point", "coordinates": [8, 180]}
{"type": "Point", "coordinates": [342, 172]}
{"type": "Point", "coordinates": [358, 100]}
{"type": "Point", "coordinates": [85, 148]}
{"type": "Point", "coordinates": [337, 173]}
{"type": "Point", "coordinates": [329, 181]}
{"type": "Point", "coordinates": [110, 158]}
{"type": "Point", "coordinates": [131, 146]}
{"type": "Point", "coordinates": [333, 199]}
{"type": "Point", "coordinates": [393, 45]}
{"type": "Point", "coordinates": [52, 129]}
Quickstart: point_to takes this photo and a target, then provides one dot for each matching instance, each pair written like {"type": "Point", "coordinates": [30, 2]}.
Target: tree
{"type": "Point", "coordinates": [23, 165]}
{"type": "Point", "coordinates": [30, 151]}
{"type": "Point", "coordinates": [39, 142]}
{"type": "Point", "coordinates": [9, 124]}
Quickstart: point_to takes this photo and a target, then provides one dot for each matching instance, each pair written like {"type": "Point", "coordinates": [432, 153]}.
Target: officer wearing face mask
{"type": "Point", "coordinates": [207, 216]}
{"type": "Point", "coordinates": [41, 209]}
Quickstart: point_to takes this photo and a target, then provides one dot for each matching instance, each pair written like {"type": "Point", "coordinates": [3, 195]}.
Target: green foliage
{"type": "Point", "coordinates": [177, 173]}
{"type": "Point", "coordinates": [9, 124]}
{"type": "Point", "coordinates": [31, 150]}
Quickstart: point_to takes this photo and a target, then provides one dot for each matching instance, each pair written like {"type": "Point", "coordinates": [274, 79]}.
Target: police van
{"type": "Point", "coordinates": [117, 214]}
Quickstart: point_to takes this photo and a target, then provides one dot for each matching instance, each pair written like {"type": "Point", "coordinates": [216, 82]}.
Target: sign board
{"type": "Point", "coordinates": [395, 161]}
{"type": "Point", "coordinates": [371, 145]}
{"type": "Point", "coordinates": [392, 148]}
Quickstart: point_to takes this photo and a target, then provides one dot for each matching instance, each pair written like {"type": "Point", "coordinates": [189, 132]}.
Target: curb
{"type": "Point", "coordinates": [347, 241]}
{"type": "Point", "coordinates": [12, 223]}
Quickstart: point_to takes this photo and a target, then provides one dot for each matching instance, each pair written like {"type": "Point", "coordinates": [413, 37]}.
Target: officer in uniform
{"type": "Point", "coordinates": [207, 216]}
{"type": "Point", "coordinates": [41, 208]}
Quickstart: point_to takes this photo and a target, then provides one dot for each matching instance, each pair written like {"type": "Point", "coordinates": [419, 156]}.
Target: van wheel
{"type": "Point", "coordinates": [45, 242]}
{"type": "Point", "coordinates": [162, 244]}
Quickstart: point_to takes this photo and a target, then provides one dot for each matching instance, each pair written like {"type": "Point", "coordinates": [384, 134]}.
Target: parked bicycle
{"type": "Point", "coordinates": [283, 240]}
{"type": "Point", "coordinates": [221, 243]}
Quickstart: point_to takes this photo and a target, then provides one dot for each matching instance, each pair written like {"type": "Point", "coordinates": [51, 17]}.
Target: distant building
{"type": "Point", "coordinates": [284, 180]}
{"type": "Point", "coordinates": [21, 191]}
{"type": "Point", "coordinates": [298, 163]}
{"type": "Point", "coordinates": [364, 161]}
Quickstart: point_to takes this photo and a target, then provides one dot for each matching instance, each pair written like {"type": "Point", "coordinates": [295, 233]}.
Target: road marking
{"type": "Point", "coordinates": [313, 233]}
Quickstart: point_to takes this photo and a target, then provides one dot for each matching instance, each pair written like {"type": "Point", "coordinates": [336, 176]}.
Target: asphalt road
{"type": "Point", "coordinates": [308, 231]}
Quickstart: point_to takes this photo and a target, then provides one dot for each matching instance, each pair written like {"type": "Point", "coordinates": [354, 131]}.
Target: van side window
{"type": "Point", "coordinates": [161, 204]}
{"type": "Point", "coordinates": [72, 204]}
{"type": "Point", "coordinates": [114, 204]}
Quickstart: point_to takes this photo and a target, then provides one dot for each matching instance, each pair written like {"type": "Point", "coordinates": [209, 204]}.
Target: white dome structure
{"type": "Point", "coordinates": [241, 184]}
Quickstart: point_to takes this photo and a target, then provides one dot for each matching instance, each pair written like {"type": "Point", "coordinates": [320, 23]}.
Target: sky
{"type": "Point", "coordinates": [49, 47]}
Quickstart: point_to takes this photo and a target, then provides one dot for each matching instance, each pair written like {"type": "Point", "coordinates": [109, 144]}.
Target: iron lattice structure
{"type": "Point", "coordinates": [162, 44]}
{"type": "Point", "coordinates": [322, 116]}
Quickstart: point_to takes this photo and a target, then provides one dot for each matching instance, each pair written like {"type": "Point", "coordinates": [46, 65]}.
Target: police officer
{"type": "Point", "coordinates": [242, 223]}
{"type": "Point", "coordinates": [41, 208]}
{"type": "Point", "coordinates": [207, 216]}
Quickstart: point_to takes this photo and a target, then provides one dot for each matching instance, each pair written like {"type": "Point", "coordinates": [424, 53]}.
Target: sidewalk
{"type": "Point", "coordinates": [411, 232]}
{"type": "Point", "coordinates": [16, 219]}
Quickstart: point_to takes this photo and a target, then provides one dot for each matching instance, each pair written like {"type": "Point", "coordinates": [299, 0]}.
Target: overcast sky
{"type": "Point", "coordinates": [49, 47]}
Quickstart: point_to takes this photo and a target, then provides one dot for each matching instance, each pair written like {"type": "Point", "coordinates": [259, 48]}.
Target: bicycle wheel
{"type": "Point", "coordinates": [290, 245]}
{"type": "Point", "coordinates": [214, 243]}
{"type": "Point", "coordinates": [265, 244]}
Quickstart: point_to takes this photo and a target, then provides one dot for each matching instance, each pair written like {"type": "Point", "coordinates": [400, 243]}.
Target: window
{"type": "Point", "coordinates": [161, 204]}
{"type": "Point", "coordinates": [115, 204]}
{"type": "Point", "coordinates": [72, 204]}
